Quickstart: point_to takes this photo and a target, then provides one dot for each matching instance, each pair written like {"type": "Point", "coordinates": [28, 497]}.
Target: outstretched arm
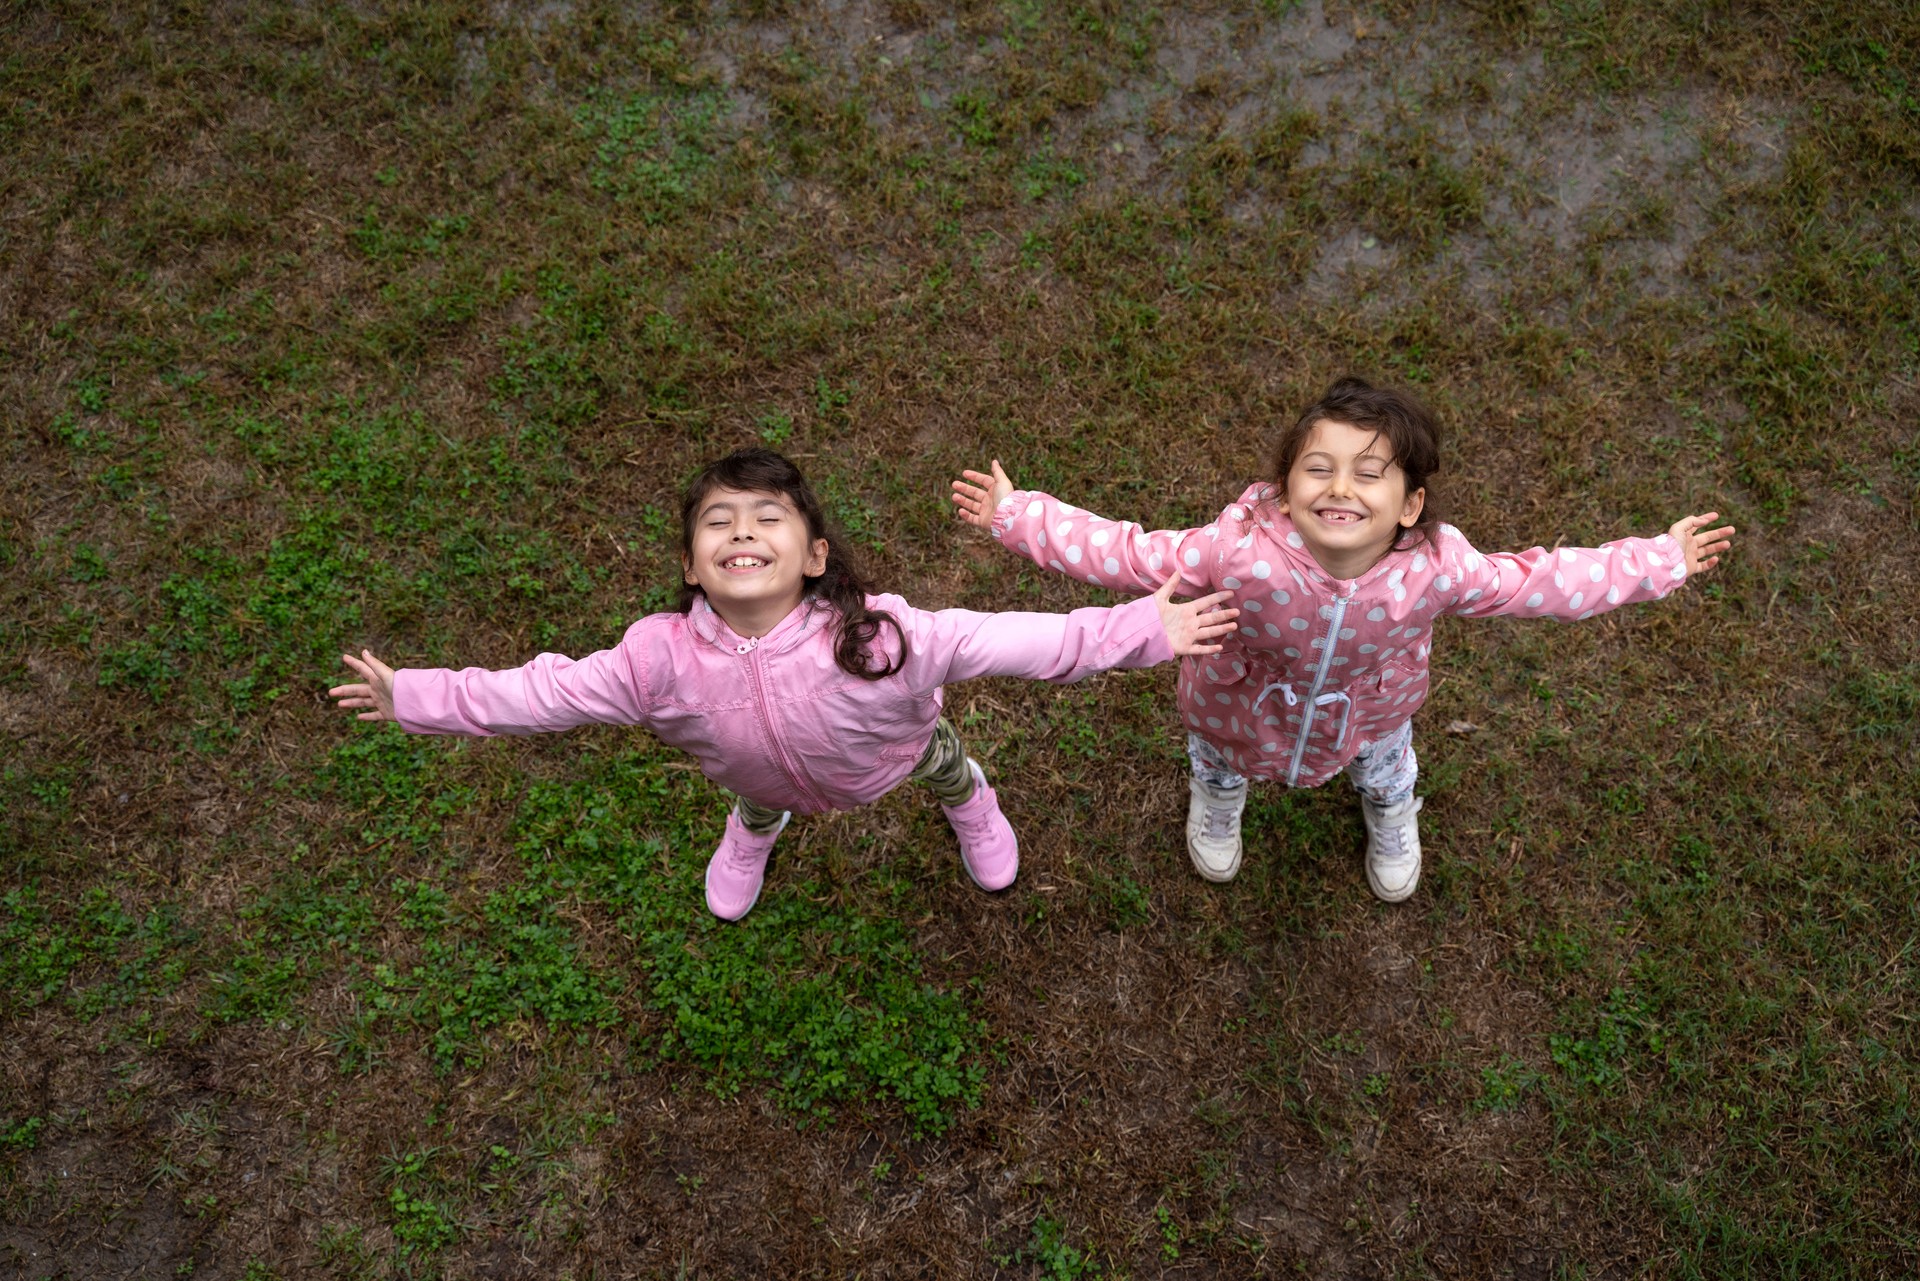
{"type": "Point", "coordinates": [1577, 582]}
{"type": "Point", "coordinates": [552, 692]}
{"type": "Point", "coordinates": [1081, 544]}
{"type": "Point", "coordinates": [958, 644]}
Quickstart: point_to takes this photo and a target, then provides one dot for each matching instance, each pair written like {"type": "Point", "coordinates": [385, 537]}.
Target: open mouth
{"type": "Point", "coordinates": [1336, 516]}
{"type": "Point", "coordinates": [742, 562]}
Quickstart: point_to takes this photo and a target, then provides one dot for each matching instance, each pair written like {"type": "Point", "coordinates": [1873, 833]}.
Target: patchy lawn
{"type": "Point", "coordinates": [332, 324]}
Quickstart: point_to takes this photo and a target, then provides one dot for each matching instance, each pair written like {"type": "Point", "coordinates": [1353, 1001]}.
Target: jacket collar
{"type": "Point", "coordinates": [807, 617]}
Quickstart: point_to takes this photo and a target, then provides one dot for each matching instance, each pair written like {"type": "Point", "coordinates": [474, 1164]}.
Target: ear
{"type": "Point", "coordinates": [686, 572]}
{"type": "Point", "coordinates": [1411, 512]}
{"type": "Point", "coordinates": [816, 559]}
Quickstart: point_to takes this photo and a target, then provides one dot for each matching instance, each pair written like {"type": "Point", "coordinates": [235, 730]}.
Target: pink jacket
{"type": "Point", "coordinates": [774, 719]}
{"type": "Point", "coordinates": [1320, 665]}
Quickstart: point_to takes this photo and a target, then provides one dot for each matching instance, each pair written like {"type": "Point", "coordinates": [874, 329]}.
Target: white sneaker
{"type": "Point", "coordinates": [1213, 828]}
{"type": "Point", "coordinates": [1393, 848]}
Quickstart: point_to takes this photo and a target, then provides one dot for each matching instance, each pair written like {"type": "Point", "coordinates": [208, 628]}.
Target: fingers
{"type": "Point", "coordinates": [1193, 625]}
{"type": "Point", "coordinates": [1210, 621]}
{"type": "Point", "coordinates": [1695, 526]}
{"type": "Point", "coordinates": [375, 693]}
{"type": "Point", "coordinates": [1704, 546]}
{"type": "Point", "coordinates": [978, 494]}
{"type": "Point", "coordinates": [972, 500]}
{"type": "Point", "coordinates": [1212, 601]}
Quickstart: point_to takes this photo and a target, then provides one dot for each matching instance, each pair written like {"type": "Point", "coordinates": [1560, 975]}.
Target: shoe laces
{"type": "Point", "coordinates": [1390, 838]}
{"type": "Point", "coordinates": [978, 824]}
{"type": "Point", "coordinates": [749, 851]}
{"type": "Point", "coordinates": [1219, 822]}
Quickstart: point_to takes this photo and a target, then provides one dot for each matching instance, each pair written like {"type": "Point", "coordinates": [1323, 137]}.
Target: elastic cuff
{"type": "Point", "coordinates": [1003, 514]}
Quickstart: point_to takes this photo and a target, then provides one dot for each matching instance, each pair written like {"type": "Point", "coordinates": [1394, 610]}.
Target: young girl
{"type": "Point", "coordinates": [1339, 566]}
{"type": "Point", "coordinates": [787, 681]}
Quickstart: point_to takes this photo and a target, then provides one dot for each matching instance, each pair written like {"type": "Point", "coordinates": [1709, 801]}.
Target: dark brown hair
{"type": "Point", "coordinates": [761, 471]}
{"type": "Point", "coordinates": [1411, 431]}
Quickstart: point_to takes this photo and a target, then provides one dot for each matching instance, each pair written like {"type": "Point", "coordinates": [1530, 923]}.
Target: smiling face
{"type": "Point", "coordinates": [1348, 498]}
{"type": "Point", "coordinates": [750, 552]}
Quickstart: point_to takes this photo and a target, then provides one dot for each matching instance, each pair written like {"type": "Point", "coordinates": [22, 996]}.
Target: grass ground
{"type": "Point", "coordinates": [331, 324]}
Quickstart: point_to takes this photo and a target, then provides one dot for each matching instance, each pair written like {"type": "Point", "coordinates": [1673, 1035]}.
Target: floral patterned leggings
{"type": "Point", "coordinates": [1384, 772]}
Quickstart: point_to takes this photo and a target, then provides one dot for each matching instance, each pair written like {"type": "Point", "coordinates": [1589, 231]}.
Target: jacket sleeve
{"type": "Point", "coordinates": [956, 644]}
{"type": "Point", "coordinates": [1107, 553]}
{"type": "Point", "coordinates": [1568, 582]}
{"type": "Point", "coordinates": [553, 692]}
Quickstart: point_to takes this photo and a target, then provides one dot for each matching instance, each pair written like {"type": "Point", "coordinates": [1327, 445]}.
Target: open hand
{"type": "Point", "coordinates": [377, 693]}
{"type": "Point", "coordinates": [979, 499]}
{"type": "Point", "coordinates": [1192, 625]}
{"type": "Point", "coordinates": [1702, 547]}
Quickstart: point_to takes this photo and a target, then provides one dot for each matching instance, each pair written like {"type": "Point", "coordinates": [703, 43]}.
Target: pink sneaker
{"type": "Point", "coordinates": [737, 868]}
{"type": "Point", "coordinates": [987, 844]}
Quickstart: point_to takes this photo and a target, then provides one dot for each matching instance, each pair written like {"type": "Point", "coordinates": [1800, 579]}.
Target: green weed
{"type": "Point", "coordinates": [517, 958]}
{"type": "Point", "coordinates": [22, 1135]}
{"type": "Point", "coordinates": [1505, 1085]}
{"type": "Point", "coordinates": [282, 941]}
{"type": "Point", "coordinates": [1052, 1254]}
{"type": "Point", "coordinates": [421, 1225]}
{"type": "Point", "coordinates": [652, 151]}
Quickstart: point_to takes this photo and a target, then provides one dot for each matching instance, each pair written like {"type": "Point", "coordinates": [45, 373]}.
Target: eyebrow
{"type": "Point", "coordinates": [728, 504]}
{"type": "Point", "coordinates": [1358, 458]}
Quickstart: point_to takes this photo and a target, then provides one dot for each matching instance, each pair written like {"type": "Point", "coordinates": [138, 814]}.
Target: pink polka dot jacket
{"type": "Point", "coordinates": [1321, 666]}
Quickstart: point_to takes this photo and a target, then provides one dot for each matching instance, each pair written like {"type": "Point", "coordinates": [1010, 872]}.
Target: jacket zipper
{"type": "Point", "coordinates": [751, 648]}
{"type": "Point", "coordinates": [1308, 707]}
